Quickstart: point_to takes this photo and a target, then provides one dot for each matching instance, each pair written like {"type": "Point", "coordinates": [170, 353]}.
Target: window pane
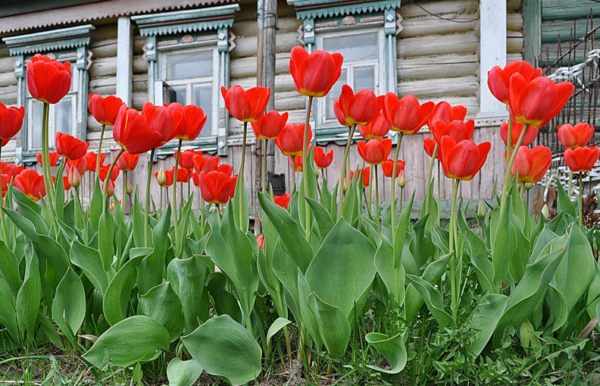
{"type": "Point", "coordinates": [64, 115]}
{"type": "Point", "coordinates": [35, 131]}
{"type": "Point", "coordinates": [364, 77]}
{"type": "Point", "coordinates": [354, 47]}
{"type": "Point", "coordinates": [334, 94]}
{"type": "Point", "coordinates": [189, 65]}
{"type": "Point", "coordinates": [176, 94]}
{"type": "Point", "coordinates": [202, 97]}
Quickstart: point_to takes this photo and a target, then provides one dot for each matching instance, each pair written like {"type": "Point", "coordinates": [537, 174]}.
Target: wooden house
{"type": "Point", "coordinates": [185, 50]}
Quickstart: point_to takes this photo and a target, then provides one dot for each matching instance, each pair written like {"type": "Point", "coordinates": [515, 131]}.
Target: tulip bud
{"type": "Point", "coordinates": [401, 180]}
{"type": "Point", "coordinates": [111, 187]}
{"type": "Point", "coordinates": [74, 177]}
{"type": "Point", "coordinates": [128, 187]}
{"type": "Point", "coordinates": [317, 173]}
{"type": "Point", "coordinates": [162, 177]}
{"type": "Point", "coordinates": [345, 185]}
{"type": "Point", "coordinates": [481, 212]}
{"type": "Point", "coordinates": [546, 211]}
{"type": "Point", "coordinates": [528, 185]}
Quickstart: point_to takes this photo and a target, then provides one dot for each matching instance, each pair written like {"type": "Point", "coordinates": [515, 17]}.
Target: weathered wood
{"type": "Point", "coordinates": [439, 8]}
{"type": "Point", "coordinates": [104, 48]}
{"type": "Point", "coordinates": [290, 100]}
{"type": "Point", "coordinates": [568, 9]}
{"type": "Point", "coordinates": [532, 29]}
{"type": "Point", "coordinates": [246, 67]}
{"type": "Point", "coordinates": [514, 21]}
{"type": "Point", "coordinates": [551, 30]}
{"type": "Point", "coordinates": [140, 65]}
{"type": "Point", "coordinates": [8, 79]}
{"type": "Point", "coordinates": [7, 64]}
{"type": "Point", "coordinates": [464, 43]}
{"type": "Point", "coordinates": [514, 44]}
{"type": "Point", "coordinates": [513, 5]}
{"type": "Point", "coordinates": [431, 25]}
{"type": "Point", "coordinates": [463, 86]}
{"type": "Point", "coordinates": [138, 99]}
{"type": "Point", "coordinates": [450, 66]}
{"type": "Point", "coordinates": [104, 85]}
{"type": "Point", "coordinates": [103, 67]}
{"type": "Point", "coordinates": [248, 28]}
{"type": "Point", "coordinates": [246, 45]}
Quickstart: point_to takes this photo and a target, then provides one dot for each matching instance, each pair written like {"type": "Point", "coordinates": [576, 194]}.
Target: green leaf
{"type": "Point", "coordinates": [90, 262]}
{"type": "Point", "coordinates": [503, 244]}
{"type": "Point", "coordinates": [183, 373]}
{"type": "Point", "coordinates": [135, 339]}
{"type": "Point", "coordinates": [8, 313]}
{"type": "Point", "coordinates": [29, 296]}
{"type": "Point", "coordinates": [392, 348]}
{"type": "Point", "coordinates": [224, 348]}
{"type": "Point", "coordinates": [485, 319]}
{"type": "Point", "coordinates": [240, 203]}
{"type": "Point", "coordinates": [321, 216]}
{"type": "Point", "coordinates": [333, 325]}
{"type": "Point", "coordinates": [224, 302]}
{"type": "Point", "coordinates": [118, 293]}
{"type": "Point", "coordinates": [480, 260]}
{"type": "Point", "coordinates": [393, 278]}
{"type": "Point", "coordinates": [433, 299]}
{"type": "Point", "coordinates": [421, 246]}
{"type": "Point", "coordinates": [187, 278]}
{"type": "Point", "coordinates": [153, 266]}
{"type": "Point", "coordinates": [277, 325]}
{"type": "Point", "coordinates": [96, 204]}
{"type": "Point", "coordinates": [106, 240]}
{"type": "Point", "coordinates": [400, 235]}
{"type": "Point", "coordinates": [527, 335]}
{"type": "Point", "coordinates": [558, 307]}
{"type": "Point", "coordinates": [162, 304]}
{"type": "Point", "coordinates": [31, 211]}
{"type": "Point", "coordinates": [9, 269]}
{"type": "Point", "coordinates": [68, 307]}
{"type": "Point", "coordinates": [139, 220]}
{"type": "Point", "coordinates": [563, 202]}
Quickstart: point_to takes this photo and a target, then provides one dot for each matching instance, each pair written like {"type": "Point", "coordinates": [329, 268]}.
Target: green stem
{"type": "Point", "coordinates": [45, 154]}
{"type": "Point", "coordinates": [453, 235]}
{"type": "Point", "coordinates": [263, 174]}
{"type": "Point", "coordinates": [429, 175]}
{"type": "Point", "coordinates": [306, 160]}
{"type": "Point", "coordinates": [570, 184]}
{"type": "Point", "coordinates": [393, 201]}
{"type": "Point", "coordinates": [99, 151]}
{"type": "Point", "coordinates": [370, 203]}
{"type": "Point", "coordinates": [161, 200]}
{"type": "Point", "coordinates": [2, 205]}
{"type": "Point", "coordinates": [293, 173]}
{"type": "Point", "coordinates": [80, 207]}
{"type": "Point", "coordinates": [107, 179]}
{"type": "Point", "coordinates": [376, 195]}
{"type": "Point", "coordinates": [346, 165]}
{"type": "Point", "coordinates": [507, 178]}
{"type": "Point", "coordinates": [509, 134]}
{"type": "Point", "coordinates": [124, 191]}
{"type": "Point", "coordinates": [241, 172]}
{"type": "Point", "coordinates": [580, 200]}
{"type": "Point", "coordinates": [148, 179]}
{"type": "Point", "coordinates": [175, 207]}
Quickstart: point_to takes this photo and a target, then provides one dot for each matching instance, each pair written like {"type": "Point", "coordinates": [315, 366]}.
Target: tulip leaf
{"type": "Point", "coordinates": [153, 266]}
{"type": "Point", "coordinates": [135, 339]}
{"type": "Point", "coordinates": [138, 219]}
{"type": "Point", "coordinates": [183, 373]}
{"type": "Point", "coordinates": [240, 205]}
{"type": "Point", "coordinates": [422, 246]}
{"type": "Point", "coordinates": [8, 313]}
{"type": "Point", "coordinates": [224, 348]}
{"type": "Point", "coordinates": [275, 327]}
{"type": "Point", "coordinates": [558, 307]}
{"type": "Point", "coordinates": [9, 269]}
{"type": "Point", "coordinates": [593, 295]}
{"type": "Point", "coordinates": [162, 304]}
{"type": "Point", "coordinates": [400, 235]}
{"type": "Point", "coordinates": [96, 206]}
{"type": "Point", "coordinates": [503, 244]}
{"type": "Point", "coordinates": [69, 306]}
{"type": "Point", "coordinates": [29, 296]}
{"type": "Point", "coordinates": [118, 293]}
{"type": "Point", "coordinates": [90, 262]}
{"type": "Point", "coordinates": [433, 300]}
{"type": "Point", "coordinates": [563, 201]}
{"type": "Point", "coordinates": [322, 217]}
{"type": "Point", "coordinates": [485, 319]}
{"type": "Point", "coordinates": [520, 257]}
{"type": "Point", "coordinates": [393, 278]}
{"type": "Point", "coordinates": [106, 240]}
{"type": "Point", "coordinates": [392, 348]}
{"type": "Point", "coordinates": [31, 211]}
{"type": "Point", "coordinates": [333, 325]}
{"type": "Point", "coordinates": [223, 301]}
{"type": "Point", "coordinates": [484, 269]}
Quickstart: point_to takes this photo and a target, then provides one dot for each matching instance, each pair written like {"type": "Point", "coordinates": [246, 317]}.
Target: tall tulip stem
{"type": "Point", "coordinates": [376, 195]}
{"type": "Point", "coordinates": [46, 171]}
{"type": "Point", "coordinates": [580, 199]}
{"type": "Point", "coordinates": [429, 175]}
{"type": "Point", "coordinates": [346, 164]}
{"type": "Point", "coordinates": [107, 179]}
{"type": "Point", "coordinates": [175, 207]}
{"type": "Point", "coordinates": [241, 172]}
{"type": "Point", "coordinates": [99, 151]}
{"type": "Point", "coordinates": [370, 203]}
{"type": "Point", "coordinates": [513, 156]}
{"type": "Point", "coordinates": [293, 173]}
{"type": "Point", "coordinates": [1, 205]}
{"type": "Point", "coordinates": [393, 196]}
{"type": "Point", "coordinates": [124, 191]}
{"type": "Point", "coordinates": [263, 174]}
{"type": "Point", "coordinates": [305, 161]}
{"type": "Point", "coordinates": [570, 184]}
{"type": "Point", "coordinates": [453, 236]}
{"type": "Point", "coordinates": [148, 179]}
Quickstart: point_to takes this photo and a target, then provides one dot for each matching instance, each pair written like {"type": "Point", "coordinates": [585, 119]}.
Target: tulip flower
{"type": "Point", "coordinates": [269, 125]}
{"type": "Point", "coordinates": [401, 179]}
{"type": "Point", "coordinates": [464, 159]}
{"type": "Point", "coordinates": [104, 171]}
{"type": "Point", "coordinates": [575, 136]}
{"type": "Point", "coordinates": [186, 158]}
{"type": "Point", "coordinates": [283, 200]}
{"type": "Point", "coordinates": [80, 164]}
{"type": "Point", "coordinates": [73, 176]}
{"type": "Point", "coordinates": [365, 173]}
{"type": "Point", "coordinates": [11, 169]}
{"type": "Point", "coordinates": [110, 190]}
{"type": "Point", "coordinates": [48, 80]}
{"type": "Point", "coordinates": [297, 163]}
{"type": "Point", "coordinates": [164, 120]}
{"type": "Point", "coordinates": [30, 183]}
{"type": "Point", "coordinates": [69, 146]}
{"type": "Point", "coordinates": [388, 167]}
{"type": "Point", "coordinates": [315, 74]}
{"type": "Point", "coordinates": [531, 164]}
{"type": "Point", "coordinates": [164, 178]}
{"type": "Point", "coordinates": [376, 129]}
{"type": "Point", "coordinates": [537, 101]}
{"type": "Point", "coordinates": [359, 109]}
{"type": "Point", "coordinates": [406, 115]}
{"type": "Point", "coordinates": [217, 187]}
{"type": "Point", "coordinates": [246, 106]}
{"type": "Point", "coordinates": [375, 151]}
{"type": "Point", "coordinates": [183, 175]}
{"type": "Point", "coordinates": [206, 164]}
{"type": "Point", "coordinates": [582, 159]}
{"type": "Point", "coordinates": [499, 79]}
{"type": "Point", "coordinates": [66, 183]}
{"type": "Point", "coordinates": [90, 158]}
{"type": "Point", "coordinates": [4, 182]}
{"type": "Point", "coordinates": [11, 120]}
{"type": "Point", "coordinates": [290, 140]}
{"type": "Point", "coordinates": [133, 133]}
{"type": "Point", "coordinates": [459, 130]}
{"type": "Point", "coordinates": [446, 113]}
{"type": "Point", "coordinates": [105, 109]}
{"type": "Point", "coordinates": [53, 158]}
{"type": "Point", "coordinates": [515, 133]}
{"type": "Point", "coordinates": [127, 162]}
{"type": "Point", "coordinates": [225, 168]}
{"type": "Point", "coordinates": [192, 122]}
{"type": "Point", "coordinates": [322, 159]}
{"type": "Point", "coordinates": [260, 240]}
{"type": "Point", "coordinates": [429, 145]}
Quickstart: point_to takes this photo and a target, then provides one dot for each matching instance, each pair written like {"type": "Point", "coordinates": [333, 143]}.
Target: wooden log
{"type": "Point", "coordinates": [512, 57]}
{"type": "Point", "coordinates": [283, 82]}
{"type": "Point", "coordinates": [104, 48]}
{"type": "Point", "coordinates": [514, 21]}
{"type": "Point", "coordinates": [138, 99]}
{"type": "Point", "coordinates": [465, 43]}
{"type": "Point", "coordinates": [248, 28]}
{"type": "Point", "coordinates": [453, 65]}
{"type": "Point", "coordinates": [439, 8]}
{"type": "Point", "coordinates": [7, 64]}
{"type": "Point", "coordinates": [569, 9]}
{"type": "Point", "coordinates": [246, 45]}
{"type": "Point", "coordinates": [431, 25]}
{"type": "Point", "coordinates": [140, 65]}
{"type": "Point", "coordinates": [104, 85]}
{"type": "Point", "coordinates": [551, 30]}
{"type": "Point", "coordinates": [140, 82]}
{"type": "Point", "coordinates": [103, 67]}
{"type": "Point", "coordinates": [290, 100]}
{"type": "Point", "coordinates": [514, 44]}
{"type": "Point", "coordinates": [513, 5]}
{"type": "Point", "coordinates": [246, 67]}
{"type": "Point", "coordinates": [8, 79]}
{"type": "Point", "coordinates": [463, 86]}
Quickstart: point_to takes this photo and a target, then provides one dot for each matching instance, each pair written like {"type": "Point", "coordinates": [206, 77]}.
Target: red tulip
{"type": "Point", "coordinates": [459, 130]}
{"type": "Point", "coordinates": [133, 133]}
{"type": "Point", "coordinates": [104, 171]}
{"type": "Point", "coordinates": [443, 111]}
{"type": "Point", "coordinates": [406, 115]}
{"type": "Point", "coordinates": [186, 158]}
{"type": "Point", "coordinates": [206, 164]}
{"type": "Point", "coordinates": [375, 151]}
{"type": "Point", "coordinates": [217, 187]}
{"type": "Point", "coordinates": [73, 176]}
{"type": "Point", "coordinates": [464, 159]}
{"type": "Point", "coordinates": [4, 142]}
{"type": "Point", "coordinates": [269, 125]}
{"type": "Point", "coordinates": [582, 159]}
{"type": "Point", "coordinates": [429, 146]}
{"type": "Point", "coordinates": [575, 136]}
{"type": "Point", "coordinates": [192, 122]}
{"type": "Point", "coordinates": [283, 200]}
{"type": "Point", "coordinates": [297, 163]}
{"type": "Point", "coordinates": [30, 183]}
{"type": "Point", "coordinates": [90, 159]}
{"type": "Point", "coordinates": [291, 138]}
{"type": "Point", "coordinates": [169, 178]}
{"type": "Point", "coordinates": [359, 109]}
{"type": "Point", "coordinates": [5, 178]}
{"type": "Point", "coordinates": [66, 184]}
{"type": "Point", "coordinates": [531, 164]}
{"type": "Point", "coordinates": [315, 74]}
{"type": "Point", "coordinates": [183, 175]}
{"type": "Point", "coordinates": [11, 120]}
{"type": "Point", "coordinates": [164, 120]}
{"type": "Point", "coordinates": [537, 101]}
{"type": "Point", "coordinates": [80, 164]}
{"type": "Point", "coordinates": [246, 106]}
{"type": "Point", "coordinates": [365, 173]}
{"type": "Point", "coordinates": [388, 167]}
{"type": "Point", "coordinates": [53, 158]}
{"type": "Point", "coordinates": [376, 129]}
{"type": "Point", "coordinates": [515, 133]}
{"type": "Point", "coordinates": [69, 146]}
{"type": "Point", "coordinates": [499, 79]}
{"type": "Point", "coordinates": [48, 80]}
{"type": "Point", "coordinates": [322, 159]}
{"type": "Point", "coordinates": [260, 240]}
{"type": "Point", "coordinates": [11, 169]}
{"type": "Point", "coordinates": [225, 168]}
{"type": "Point", "coordinates": [105, 110]}
{"type": "Point", "coordinates": [127, 162]}
{"type": "Point", "coordinates": [111, 187]}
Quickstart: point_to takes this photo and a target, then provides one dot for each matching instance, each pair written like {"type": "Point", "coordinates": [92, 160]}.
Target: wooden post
{"type": "Point", "coordinates": [269, 44]}
{"type": "Point", "coordinates": [124, 59]}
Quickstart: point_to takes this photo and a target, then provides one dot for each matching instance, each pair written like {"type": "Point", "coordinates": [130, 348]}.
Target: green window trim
{"type": "Point", "coordinates": [206, 27]}
{"type": "Point", "coordinates": [321, 16]}
{"type": "Point", "coordinates": [67, 44]}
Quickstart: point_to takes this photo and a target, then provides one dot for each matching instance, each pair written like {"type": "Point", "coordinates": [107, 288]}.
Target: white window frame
{"type": "Point", "coordinates": [379, 81]}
